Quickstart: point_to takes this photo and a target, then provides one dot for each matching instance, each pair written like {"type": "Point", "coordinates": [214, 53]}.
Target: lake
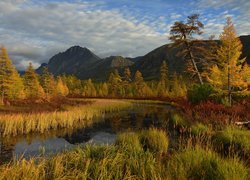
{"type": "Point", "coordinates": [103, 131]}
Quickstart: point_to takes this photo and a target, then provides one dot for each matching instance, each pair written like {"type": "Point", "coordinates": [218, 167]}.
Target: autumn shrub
{"type": "Point", "coordinates": [199, 93]}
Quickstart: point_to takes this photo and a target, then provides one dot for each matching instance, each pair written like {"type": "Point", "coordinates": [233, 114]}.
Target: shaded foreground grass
{"type": "Point", "coordinates": [15, 124]}
{"type": "Point", "coordinates": [128, 159]}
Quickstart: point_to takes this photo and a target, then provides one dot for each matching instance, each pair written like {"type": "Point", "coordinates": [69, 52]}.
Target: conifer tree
{"type": "Point", "coordinates": [115, 83]}
{"type": "Point", "coordinates": [139, 84]}
{"type": "Point", "coordinates": [48, 83]}
{"type": "Point", "coordinates": [228, 74]}
{"type": "Point", "coordinates": [162, 85]}
{"type": "Point", "coordinates": [182, 34]}
{"type": "Point", "coordinates": [127, 81]}
{"type": "Point", "coordinates": [61, 88]}
{"type": "Point", "coordinates": [105, 89]}
{"type": "Point", "coordinates": [32, 87]}
{"type": "Point", "coordinates": [11, 86]}
{"type": "Point", "coordinates": [89, 89]}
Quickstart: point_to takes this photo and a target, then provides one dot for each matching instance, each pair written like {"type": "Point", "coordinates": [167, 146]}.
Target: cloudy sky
{"type": "Point", "coordinates": [35, 30]}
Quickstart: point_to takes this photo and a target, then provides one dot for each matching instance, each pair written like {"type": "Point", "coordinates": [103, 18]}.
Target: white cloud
{"type": "Point", "coordinates": [35, 32]}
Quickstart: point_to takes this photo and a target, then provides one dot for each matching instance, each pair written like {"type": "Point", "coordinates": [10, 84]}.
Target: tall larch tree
{"type": "Point", "coordinates": [48, 83]}
{"type": "Point", "coordinates": [61, 87]}
{"type": "Point", "coordinates": [115, 84]}
{"type": "Point", "coordinates": [11, 86]}
{"type": "Point", "coordinates": [182, 34]}
{"type": "Point", "coordinates": [228, 73]}
{"type": "Point", "coordinates": [162, 85]}
{"type": "Point", "coordinates": [127, 81]}
{"type": "Point", "coordinates": [139, 84]}
{"type": "Point", "coordinates": [32, 87]}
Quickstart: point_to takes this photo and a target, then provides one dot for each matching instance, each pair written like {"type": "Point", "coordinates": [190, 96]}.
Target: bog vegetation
{"type": "Point", "coordinates": [209, 101]}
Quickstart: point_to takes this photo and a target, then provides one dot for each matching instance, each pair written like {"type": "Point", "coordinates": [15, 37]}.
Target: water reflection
{"type": "Point", "coordinates": [103, 131]}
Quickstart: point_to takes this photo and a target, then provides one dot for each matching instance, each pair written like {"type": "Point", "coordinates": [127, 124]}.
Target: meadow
{"type": "Point", "coordinates": [142, 155]}
{"type": "Point", "coordinates": [84, 113]}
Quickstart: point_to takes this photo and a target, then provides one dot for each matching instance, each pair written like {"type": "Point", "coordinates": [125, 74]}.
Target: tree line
{"type": "Point", "coordinates": [220, 66]}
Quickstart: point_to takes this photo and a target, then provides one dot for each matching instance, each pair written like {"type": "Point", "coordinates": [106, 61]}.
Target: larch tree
{"type": "Point", "coordinates": [229, 73]}
{"type": "Point", "coordinates": [115, 83]}
{"type": "Point", "coordinates": [89, 89]}
{"type": "Point", "coordinates": [162, 85]}
{"type": "Point", "coordinates": [32, 87]}
{"type": "Point", "coordinates": [127, 81]}
{"type": "Point", "coordinates": [11, 86]}
{"type": "Point", "coordinates": [105, 89]}
{"type": "Point", "coordinates": [182, 34]}
{"type": "Point", "coordinates": [61, 87]}
{"type": "Point", "coordinates": [139, 84]}
{"type": "Point", "coordinates": [48, 83]}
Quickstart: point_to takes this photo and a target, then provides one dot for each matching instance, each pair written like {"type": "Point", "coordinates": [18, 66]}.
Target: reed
{"type": "Point", "coordinates": [72, 117]}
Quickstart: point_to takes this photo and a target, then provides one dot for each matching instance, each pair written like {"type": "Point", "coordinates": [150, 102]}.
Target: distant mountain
{"type": "Point", "coordinates": [72, 61]}
{"type": "Point", "coordinates": [101, 69]}
{"type": "Point", "coordinates": [150, 64]}
{"type": "Point", "coordinates": [85, 64]}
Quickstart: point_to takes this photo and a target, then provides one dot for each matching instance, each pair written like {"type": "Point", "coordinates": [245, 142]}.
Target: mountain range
{"type": "Point", "coordinates": [84, 64]}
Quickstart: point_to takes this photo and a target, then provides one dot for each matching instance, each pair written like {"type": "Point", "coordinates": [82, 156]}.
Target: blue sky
{"type": "Point", "coordinates": [34, 30]}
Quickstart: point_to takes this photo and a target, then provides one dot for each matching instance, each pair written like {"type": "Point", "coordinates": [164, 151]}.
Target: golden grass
{"type": "Point", "coordinates": [15, 124]}
{"type": "Point", "coordinates": [127, 159]}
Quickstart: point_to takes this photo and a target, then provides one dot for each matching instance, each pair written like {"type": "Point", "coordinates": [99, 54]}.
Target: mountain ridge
{"type": "Point", "coordinates": [83, 63]}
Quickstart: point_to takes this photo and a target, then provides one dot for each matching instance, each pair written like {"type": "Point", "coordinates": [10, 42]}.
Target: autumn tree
{"type": "Point", "coordinates": [61, 87]}
{"type": "Point", "coordinates": [104, 90]}
{"type": "Point", "coordinates": [162, 85]}
{"type": "Point", "coordinates": [127, 81]}
{"type": "Point", "coordinates": [178, 87]}
{"type": "Point", "coordinates": [89, 89]}
{"type": "Point", "coordinates": [48, 83]}
{"type": "Point", "coordinates": [139, 84]}
{"type": "Point", "coordinates": [11, 85]}
{"type": "Point", "coordinates": [115, 83]}
{"type": "Point", "coordinates": [32, 87]}
{"type": "Point", "coordinates": [74, 84]}
{"type": "Point", "coordinates": [229, 74]}
{"type": "Point", "coordinates": [182, 34]}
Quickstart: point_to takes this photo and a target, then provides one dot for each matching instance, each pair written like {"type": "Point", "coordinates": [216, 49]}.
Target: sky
{"type": "Point", "coordinates": [35, 30]}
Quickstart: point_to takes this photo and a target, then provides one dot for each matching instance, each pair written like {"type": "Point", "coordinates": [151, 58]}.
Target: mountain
{"type": "Point", "coordinates": [100, 70]}
{"type": "Point", "coordinates": [74, 60]}
{"type": "Point", "coordinates": [150, 64]}
{"type": "Point", "coordinates": [85, 64]}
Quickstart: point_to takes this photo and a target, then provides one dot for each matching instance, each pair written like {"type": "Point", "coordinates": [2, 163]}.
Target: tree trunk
{"type": "Point", "coordinates": [229, 86]}
{"type": "Point", "coordinates": [193, 62]}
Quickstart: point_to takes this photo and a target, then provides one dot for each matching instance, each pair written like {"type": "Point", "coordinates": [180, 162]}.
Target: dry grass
{"type": "Point", "coordinates": [15, 124]}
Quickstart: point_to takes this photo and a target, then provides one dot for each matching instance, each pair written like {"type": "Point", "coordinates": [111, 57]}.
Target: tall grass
{"type": "Point", "coordinates": [15, 124]}
{"type": "Point", "coordinates": [127, 159]}
{"type": "Point", "coordinates": [199, 163]}
{"type": "Point", "coordinates": [233, 140]}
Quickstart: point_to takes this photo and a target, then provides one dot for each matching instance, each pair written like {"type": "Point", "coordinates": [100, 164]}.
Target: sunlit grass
{"type": "Point", "coordinates": [15, 124]}
{"type": "Point", "coordinates": [199, 163]}
{"type": "Point", "coordinates": [127, 159]}
{"type": "Point", "coordinates": [233, 140]}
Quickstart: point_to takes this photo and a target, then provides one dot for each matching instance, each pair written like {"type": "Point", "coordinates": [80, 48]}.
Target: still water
{"type": "Point", "coordinates": [103, 131]}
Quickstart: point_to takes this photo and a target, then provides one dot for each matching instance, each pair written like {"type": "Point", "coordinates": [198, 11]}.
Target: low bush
{"type": "Point", "coordinates": [199, 93]}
